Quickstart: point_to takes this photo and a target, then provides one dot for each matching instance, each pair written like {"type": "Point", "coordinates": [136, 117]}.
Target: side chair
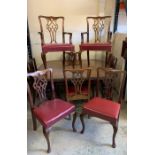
{"type": "Point", "coordinates": [49, 109]}
{"type": "Point", "coordinates": [106, 105]}
{"type": "Point", "coordinates": [77, 86]}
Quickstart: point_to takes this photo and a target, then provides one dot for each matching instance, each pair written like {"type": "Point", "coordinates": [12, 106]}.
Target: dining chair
{"type": "Point", "coordinates": [107, 104]}
{"type": "Point", "coordinates": [77, 86]}
{"type": "Point", "coordinates": [97, 37]}
{"type": "Point", "coordinates": [49, 109]}
{"type": "Point", "coordinates": [54, 38]}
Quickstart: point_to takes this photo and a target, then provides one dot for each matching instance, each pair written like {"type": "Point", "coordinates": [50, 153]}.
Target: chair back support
{"type": "Point", "coordinates": [42, 82]}
{"type": "Point", "coordinates": [111, 61]}
{"type": "Point", "coordinates": [52, 29]}
{"type": "Point", "coordinates": [98, 29]}
{"type": "Point", "coordinates": [77, 84]}
{"type": "Point", "coordinates": [110, 83]}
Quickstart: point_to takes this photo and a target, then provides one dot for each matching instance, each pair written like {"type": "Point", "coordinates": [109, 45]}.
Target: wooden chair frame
{"type": "Point", "coordinates": [77, 79]}
{"type": "Point", "coordinates": [41, 80]}
{"type": "Point", "coordinates": [98, 28]}
{"type": "Point", "coordinates": [112, 73]}
{"type": "Point", "coordinates": [52, 27]}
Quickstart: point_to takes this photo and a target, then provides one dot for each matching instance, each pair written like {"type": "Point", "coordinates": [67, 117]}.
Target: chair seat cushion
{"type": "Point", "coordinates": [71, 91]}
{"type": "Point", "coordinates": [57, 47]}
{"type": "Point", "coordinates": [51, 111]}
{"type": "Point", "coordinates": [102, 108]}
{"type": "Point", "coordinates": [96, 46]}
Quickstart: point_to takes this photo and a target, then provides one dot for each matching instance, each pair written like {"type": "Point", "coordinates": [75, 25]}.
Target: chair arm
{"type": "Point", "coordinates": [82, 36]}
{"type": "Point", "coordinates": [70, 37]}
{"type": "Point", "coordinates": [42, 39]}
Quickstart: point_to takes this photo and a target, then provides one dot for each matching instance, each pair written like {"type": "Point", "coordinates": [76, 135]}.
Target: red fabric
{"type": "Point", "coordinates": [71, 91]}
{"type": "Point", "coordinates": [96, 46]}
{"type": "Point", "coordinates": [57, 47]}
{"type": "Point", "coordinates": [51, 111]}
{"type": "Point", "coordinates": [102, 108]}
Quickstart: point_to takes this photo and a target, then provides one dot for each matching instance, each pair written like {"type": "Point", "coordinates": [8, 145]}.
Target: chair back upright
{"type": "Point", "coordinates": [110, 83]}
{"type": "Point", "coordinates": [77, 83]}
{"type": "Point", "coordinates": [98, 29]}
{"type": "Point", "coordinates": [51, 27]}
{"type": "Point", "coordinates": [42, 86]}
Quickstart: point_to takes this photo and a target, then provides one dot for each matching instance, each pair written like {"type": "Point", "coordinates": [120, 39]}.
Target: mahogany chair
{"type": "Point", "coordinates": [77, 85]}
{"type": "Point", "coordinates": [49, 109]}
{"type": "Point", "coordinates": [53, 37]}
{"type": "Point", "coordinates": [98, 36]}
{"type": "Point", "coordinates": [106, 107]}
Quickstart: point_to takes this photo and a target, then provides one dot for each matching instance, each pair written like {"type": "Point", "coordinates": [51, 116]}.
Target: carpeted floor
{"type": "Point", "coordinates": [96, 140]}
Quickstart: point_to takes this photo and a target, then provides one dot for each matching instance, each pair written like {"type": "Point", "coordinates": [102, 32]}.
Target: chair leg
{"type": "Point", "coordinates": [34, 121]}
{"type": "Point", "coordinates": [80, 61]}
{"type": "Point", "coordinates": [82, 121]}
{"type": "Point", "coordinates": [115, 128]}
{"type": "Point", "coordinates": [43, 56]}
{"type": "Point", "coordinates": [73, 123]}
{"type": "Point", "coordinates": [64, 60]}
{"type": "Point", "coordinates": [46, 134]}
{"type": "Point", "coordinates": [88, 58]}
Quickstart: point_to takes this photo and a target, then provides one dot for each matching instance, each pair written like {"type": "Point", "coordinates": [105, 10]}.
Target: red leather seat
{"type": "Point", "coordinates": [51, 111]}
{"type": "Point", "coordinates": [57, 47]}
{"type": "Point", "coordinates": [102, 108]}
{"type": "Point", "coordinates": [96, 46]}
{"type": "Point", "coordinates": [105, 105]}
{"type": "Point", "coordinates": [71, 91]}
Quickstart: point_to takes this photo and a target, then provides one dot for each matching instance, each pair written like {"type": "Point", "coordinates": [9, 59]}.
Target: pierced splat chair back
{"type": "Point", "coordinates": [110, 83]}
{"type": "Point", "coordinates": [52, 29]}
{"type": "Point", "coordinates": [98, 29]}
{"type": "Point", "coordinates": [42, 86]}
{"type": "Point", "coordinates": [77, 84]}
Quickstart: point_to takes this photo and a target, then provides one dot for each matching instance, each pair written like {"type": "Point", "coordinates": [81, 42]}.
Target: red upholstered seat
{"type": "Point", "coordinates": [71, 91]}
{"type": "Point", "coordinates": [96, 46]}
{"type": "Point", "coordinates": [57, 47]}
{"type": "Point", "coordinates": [51, 111]}
{"type": "Point", "coordinates": [102, 108]}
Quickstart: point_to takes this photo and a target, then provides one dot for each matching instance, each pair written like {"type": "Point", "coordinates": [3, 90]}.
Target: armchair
{"type": "Point", "coordinates": [98, 36]}
{"type": "Point", "coordinates": [53, 36]}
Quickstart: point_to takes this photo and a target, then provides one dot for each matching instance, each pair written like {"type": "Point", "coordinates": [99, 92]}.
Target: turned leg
{"type": "Point", "coordinates": [80, 61]}
{"type": "Point", "coordinates": [106, 58]}
{"type": "Point", "coordinates": [43, 56]}
{"type": "Point", "coordinates": [64, 59]}
{"type": "Point", "coordinates": [88, 58]}
{"type": "Point", "coordinates": [46, 134]}
{"type": "Point", "coordinates": [82, 121]}
{"type": "Point", "coordinates": [73, 123]}
{"type": "Point", "coordinates": [115, 128]}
